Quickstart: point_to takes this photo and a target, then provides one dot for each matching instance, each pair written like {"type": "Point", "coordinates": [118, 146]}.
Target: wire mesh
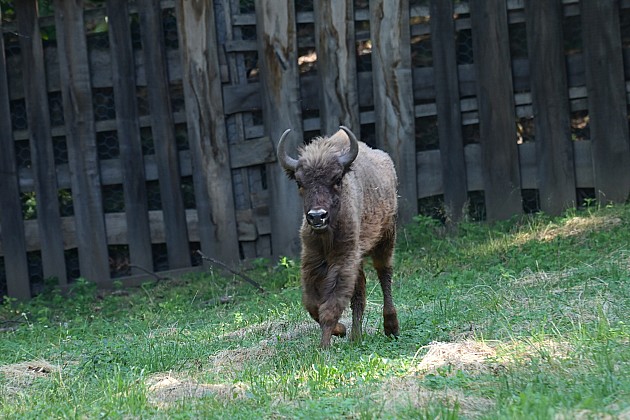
{"type": "Point", "coordinates": [169, 25]}
{"type": "Point", "coordinates": [19, 119]}
{"type": "Point", "coordinates": [518, 40]}
{"type": "Point", "coordinates": [427, 133]}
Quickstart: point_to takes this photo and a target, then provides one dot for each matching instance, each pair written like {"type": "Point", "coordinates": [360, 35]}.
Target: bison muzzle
{"type": "Point", "coordinates": [350, 203]}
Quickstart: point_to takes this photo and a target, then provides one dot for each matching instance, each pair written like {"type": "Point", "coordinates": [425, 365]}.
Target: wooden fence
{"type": "Point", "coordinates": [136, 132]}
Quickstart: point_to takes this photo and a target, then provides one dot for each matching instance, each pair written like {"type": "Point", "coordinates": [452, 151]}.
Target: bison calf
{"type": "Point", "coordinates": [349, 195]}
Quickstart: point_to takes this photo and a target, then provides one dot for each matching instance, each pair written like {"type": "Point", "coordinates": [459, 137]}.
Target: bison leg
{"type": "Point", "coordinates": [311, 301]}
{"type": "Point", "coordinates": [338, 290]}
{"type": "Point", "coordinates": [382, 258]}
{"type": "Point", "coordinates": [357, 303]}
{"type": "Point", "coordinates": [390, 317]}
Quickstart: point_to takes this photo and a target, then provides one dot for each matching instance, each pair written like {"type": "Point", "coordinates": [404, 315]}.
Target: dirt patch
{"type": "Point", "coordinates": [273, 331]}
{"type": "Point", "coordinates": [400, 392]}
{"type": "Point", "coordinates": [235, 360]}
{"type": "Point", "coordinates": [20, 376]}
{"type": "Point", "coordinates": [578, 226]}
{"type": "Point", "coordinates": [468, 355]}
{"type": "Point", "coordinates": [166, 389]}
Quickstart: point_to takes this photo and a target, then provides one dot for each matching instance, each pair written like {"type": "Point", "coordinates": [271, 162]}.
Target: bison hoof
{"type": "Point", "coordinates": [391, 325]}
{"type": "Point", "coordinates": [339, 330]}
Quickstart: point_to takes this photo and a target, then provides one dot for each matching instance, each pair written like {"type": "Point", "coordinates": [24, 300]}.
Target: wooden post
{"type": "Point", "coordinates": [163, 130]}
{"type": "Point", "coordinates": [448, 110]}
{"type": "Point", "coordinates": [277, 58]}
{"type": "Point", "coordinates": [393, 96]}
{"type": "Point", "coordinates": [130, 143]}
{"type": "Point", "coordinates": [336, 66]}
{"type": "Point", "coordinates": [495, 98]}
{"type": "Point", "coordinates": [550, 100]}
{"type": "Point", "coordinates": [76, 89]}
{"type": "Point", "coordinates": [11, 221]}
{"type": "Point", "coordinates": [603, 62]}
{"type": "Point", "coordinates": [206, 131]}
{"type": "Point", "coordinates": [42, 155]}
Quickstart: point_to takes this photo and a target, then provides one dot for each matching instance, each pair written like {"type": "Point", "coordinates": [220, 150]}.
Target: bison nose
{"type": "Point", "coordinates": [317, 218]}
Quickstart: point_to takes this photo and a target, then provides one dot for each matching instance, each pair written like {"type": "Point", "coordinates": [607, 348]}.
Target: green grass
{"type": "Point", "coordinates": [520, 319]}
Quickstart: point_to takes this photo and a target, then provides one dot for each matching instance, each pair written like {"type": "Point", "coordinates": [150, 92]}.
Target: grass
{"type": "Point", "coordinates": [520, 319]}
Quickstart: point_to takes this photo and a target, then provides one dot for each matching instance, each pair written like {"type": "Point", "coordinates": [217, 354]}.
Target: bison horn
{"type": "Point", "coordinates": [347, 158]}
{"type": "Point", "coordinates": [287, 162]}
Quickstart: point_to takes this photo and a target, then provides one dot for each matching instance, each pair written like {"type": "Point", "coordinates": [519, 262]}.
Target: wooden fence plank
{"type": "Point", "coordinates": [78, 114]}
{"type": "Point", "coordinates": [11, 222]}
{"type": "Point", "coordinates": [550, 98]}
{"type": "Point", "coordinates": [42, 157]}
{"type": "Point", "coordinates": [607, 106]}
{"type": "Point", "coordinates": [393, 96]}
{"type": "Point", "coordinates": [336, 66]}
{"type": "Point", "coordinates": [277, 58]}
{"type": "Point", "coordinates": [502, 184]}
{"type": "Point", "coordinates": [163, 130]}
{"type": "Point", "coordinates": [448, 108]}
{"type": "Point", "coordinates": [207, 134]}
{"type": "Point", "coordinates": [128, 128]}
{"type": "Point", "coordinates": [430, 168]}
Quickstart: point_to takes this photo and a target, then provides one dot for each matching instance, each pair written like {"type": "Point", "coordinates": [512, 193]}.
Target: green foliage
{"type": "Point", "coordinates": [534, 311]}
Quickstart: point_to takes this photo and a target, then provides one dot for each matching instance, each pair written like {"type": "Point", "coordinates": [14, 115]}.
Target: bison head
{"type": "Point", "coordinates": [319, 172]}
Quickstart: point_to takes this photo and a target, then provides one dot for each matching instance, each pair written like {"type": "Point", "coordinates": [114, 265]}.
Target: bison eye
{"type": "Point", "coordinates": [299, 184]}
{"type": "Point", "coordinates": [338, 181]}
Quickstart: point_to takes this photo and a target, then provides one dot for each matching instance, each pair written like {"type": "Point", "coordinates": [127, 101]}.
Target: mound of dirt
{"type": "Point", "coordinates": [20, 376]}
{"type": "Point", "coordinates": [165, 389]}
{"type": "Point", "coordinates": [466, 355]}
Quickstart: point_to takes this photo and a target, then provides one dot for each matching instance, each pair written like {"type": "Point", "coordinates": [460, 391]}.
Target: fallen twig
{"type": "Point", "coordinates": [236, 273]}
{"type": "Point", "coordinates": [157, 277]}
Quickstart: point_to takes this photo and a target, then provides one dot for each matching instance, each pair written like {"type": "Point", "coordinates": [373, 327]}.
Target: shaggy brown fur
{"type": "Point", "coordinates": [360, 201]}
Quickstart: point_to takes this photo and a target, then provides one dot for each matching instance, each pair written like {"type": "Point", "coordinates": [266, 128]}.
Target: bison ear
{"type": "Point", "coordinates": [290, 174]}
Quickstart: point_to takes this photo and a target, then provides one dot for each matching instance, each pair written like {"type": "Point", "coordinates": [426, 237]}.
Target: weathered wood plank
{"type": "Point", "coordinates": [448, 109]}
{"type": "Point", "coordinates": [117, 230]}
{"type": "Point", "coordinates": [40, 140]}
{"type": "Point", "coordinates": [496, 109]}
{"type": "Point", "coordinates": [550, 97]}
{"type": "Point", "coordinates": [336, 66]}
{"type": "Point", "coordinates": [606, 99]}
{"type": "Point", "coordinates": [81, 140]}
{"type": "Point", "coordinates": [133, 174]}
{"type": "Point", "coordinates": [252, 152]}
{"type": "Point", "coordinates": [163, 130]}
{"type": "Point", "coordinates": [11, 221]}
{"type": "Point", "coordinates": [430, 168]}
{"type": "Point", "coordinates": [393, 96]}
{"type": "Point", "coordinates": [247, 153]}
{"type": "Point", "coordinates": [207, 135]}
{"type": "Point", "coordinates": [250, 222]}
{"type": "Point", "coordinates": [277, 58]}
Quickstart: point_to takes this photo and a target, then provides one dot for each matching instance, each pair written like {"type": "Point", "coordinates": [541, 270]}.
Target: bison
{"type": "Point", "coordinates": [350, 203]}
